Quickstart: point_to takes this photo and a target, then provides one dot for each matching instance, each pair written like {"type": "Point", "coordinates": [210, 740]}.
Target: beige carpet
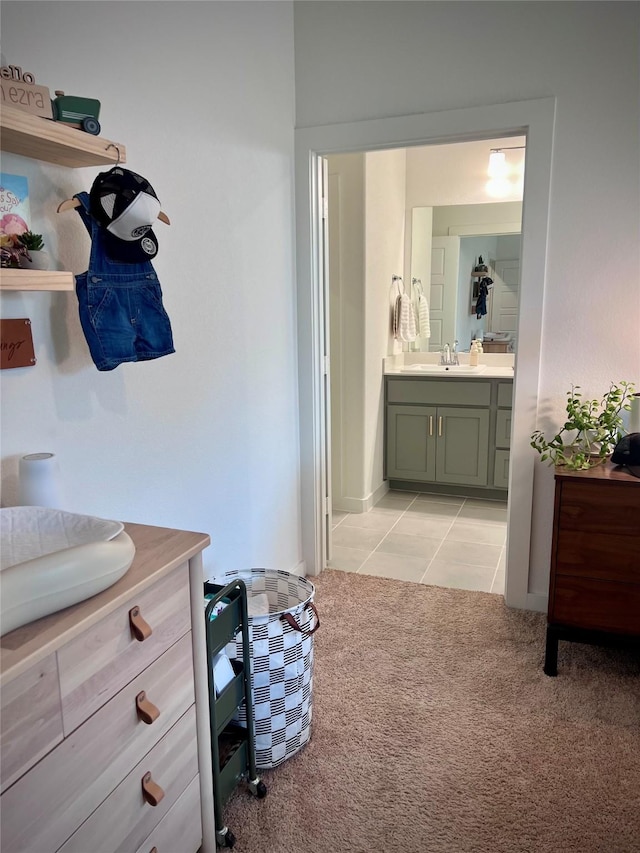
{"type": "Point", "coordinates": [436, 731]}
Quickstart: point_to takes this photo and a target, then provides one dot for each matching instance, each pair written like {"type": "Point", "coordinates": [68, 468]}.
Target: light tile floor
{"type": "Point", "coordinates": [431, 539]}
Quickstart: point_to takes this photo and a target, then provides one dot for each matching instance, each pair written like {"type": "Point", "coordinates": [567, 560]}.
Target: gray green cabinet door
{"type": "Point", "coordinates": [501, 470]}
{"type": "Point", "coordinates": [411, 443]}
{"type": "Point", "coordinates": [462, 446]}
{"type": "Point", "coordinates": [503, 428]}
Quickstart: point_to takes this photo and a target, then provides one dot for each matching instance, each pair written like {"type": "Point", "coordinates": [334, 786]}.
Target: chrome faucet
{"type": "Point", "coordinates": [449, 357]}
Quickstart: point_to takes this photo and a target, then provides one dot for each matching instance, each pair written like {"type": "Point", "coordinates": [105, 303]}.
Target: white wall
{"type": "Point", "coordinates": [372, 60]}
{"type": "Point", "coordinates": [384, 247]}
{"type": "Point", "coordinates": [366, 221]}
{"type": "Point", "coordinates": [467, 324]}
{"type": "Point", "coordinates": [347, 327]}
{"type": "Point", "coordinates": [202, 95]}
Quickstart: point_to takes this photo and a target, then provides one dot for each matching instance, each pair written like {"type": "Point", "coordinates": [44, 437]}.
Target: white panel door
{"type": "Point", "coordinates": [445, 256]}
{"type": "Point", "coordinates": [505, 297]}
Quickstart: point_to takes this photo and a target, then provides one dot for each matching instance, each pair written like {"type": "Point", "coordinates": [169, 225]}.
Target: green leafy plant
{"type": "Point", "coordinates": [32, 242]}
{"type": "Point", "coordinates": [591, 431]}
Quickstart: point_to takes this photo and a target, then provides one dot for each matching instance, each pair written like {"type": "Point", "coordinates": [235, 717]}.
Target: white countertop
{"type": "Point", "coordinates": [488, 373]}
{"type": "Point", "coordinates": [492, 366]}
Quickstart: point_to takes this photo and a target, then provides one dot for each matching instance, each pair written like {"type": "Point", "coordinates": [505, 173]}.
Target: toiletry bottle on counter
{"type": "Point", "coordinates": [473, 354]}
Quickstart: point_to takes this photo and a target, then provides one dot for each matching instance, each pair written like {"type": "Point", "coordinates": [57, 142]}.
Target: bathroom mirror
{"type": "Point", "coordinates": [446, 243]}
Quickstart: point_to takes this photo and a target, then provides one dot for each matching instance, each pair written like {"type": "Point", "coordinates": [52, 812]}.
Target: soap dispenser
{"type": "Point", "coordinates": [473, 354]}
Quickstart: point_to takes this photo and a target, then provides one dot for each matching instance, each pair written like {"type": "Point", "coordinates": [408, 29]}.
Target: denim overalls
{"type": "Point", "coordinates": [120, 305]}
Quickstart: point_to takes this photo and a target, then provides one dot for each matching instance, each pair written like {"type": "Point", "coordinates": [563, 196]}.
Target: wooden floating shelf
{"type": "Point", "coordinates": [36, 280]}
{"type": "Point", "coordinates": [54, 141]}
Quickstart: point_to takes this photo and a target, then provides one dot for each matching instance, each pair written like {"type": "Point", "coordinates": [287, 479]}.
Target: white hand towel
{"type": "Point", "coordinates": [408, 330]}
{"type": "Point", "coordinates": [423, 316]}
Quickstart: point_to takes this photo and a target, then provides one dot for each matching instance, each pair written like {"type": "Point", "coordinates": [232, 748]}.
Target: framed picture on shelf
{"type": "Point", "coordinates": [14, 204]}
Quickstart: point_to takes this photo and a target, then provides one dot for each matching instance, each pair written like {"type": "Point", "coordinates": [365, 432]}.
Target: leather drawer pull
{"type": "Point", "coordinates": [151, 791]}
{"type": "Point", "coordinates": [146, 710]}
{"type": "Point", "coordinates": [139, 628]}
{"type": "Point", "coordinates": [153, 850]}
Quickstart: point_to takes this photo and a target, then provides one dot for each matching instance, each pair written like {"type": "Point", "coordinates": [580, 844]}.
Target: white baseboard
{"type": "Point", "coordinates": [300, 570]}
{"type": "Point", "coordinates": [379, 493]}
{"type": "Point", "coordinates": [537, 602]}
{"type": "Point", "coordinates": [344, 504]}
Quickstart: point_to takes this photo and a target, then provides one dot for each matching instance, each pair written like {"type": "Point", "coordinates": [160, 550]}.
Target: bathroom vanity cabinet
{"type": "Point", "coordinates": [448, 435]}
{"type": "Point", "coordinates": [105, 739]}
{"type": "Point", "coordinates": [594, 589]}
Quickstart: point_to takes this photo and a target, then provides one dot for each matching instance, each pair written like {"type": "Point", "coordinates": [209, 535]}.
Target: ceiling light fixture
{"type": "Point", "coordinates": [498, 160]}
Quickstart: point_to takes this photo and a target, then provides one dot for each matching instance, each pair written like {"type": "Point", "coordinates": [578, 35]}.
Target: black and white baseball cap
{"type": "Point", "coordinates": [125, 205]}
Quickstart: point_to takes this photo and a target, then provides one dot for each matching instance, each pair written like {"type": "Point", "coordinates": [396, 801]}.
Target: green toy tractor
{"type": "Point", "coordinates": [78, 112]}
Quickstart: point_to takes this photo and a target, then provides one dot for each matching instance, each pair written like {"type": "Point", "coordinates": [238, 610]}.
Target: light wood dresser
{"type": "Point", "coordinates": [594, 590]}
{"type": "Point", "coordinates": [105, 742]}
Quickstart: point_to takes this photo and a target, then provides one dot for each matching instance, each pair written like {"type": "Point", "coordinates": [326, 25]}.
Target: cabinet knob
{"type": "Point", "coordinates": [151, 791]}
{"type": "Point", "coordinates": [153, 850]}
{"type": "Point", "coordinates": [146, 710]}
{"type": "Point", "coordinates": [139, 627]}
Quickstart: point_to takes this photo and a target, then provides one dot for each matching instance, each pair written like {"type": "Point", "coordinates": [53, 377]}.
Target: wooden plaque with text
{"type": "Point", "coordinates": [16, 344]}
{"type": "Point", "coordinates": [27, 96]}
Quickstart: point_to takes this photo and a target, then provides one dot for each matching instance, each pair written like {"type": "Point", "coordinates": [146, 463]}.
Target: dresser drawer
{"type": "Point", "coordinates": [613, 508]}
{"type": "Point", "coordinates": [30, 719]}
{"type": "Point", "coordinates": [599, 555]}
{"type": "Point", "coordinates": [43, 808]}
{"type": "Point", "coordinates": [181, 828]}
{"type": "Point", "coordinates": [95, 665]}
{"type": "Point", "coordinates": [596, 605]}
{"type": "Point", "coordinates": [125, 819]}
{"type": "Point", "coordinates": [439, 392]}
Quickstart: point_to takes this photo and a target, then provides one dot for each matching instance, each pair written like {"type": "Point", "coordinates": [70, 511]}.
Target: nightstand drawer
{"type": "Point", "coordinates": [614, 508]}
{"type": "Point", "coordinates": [101, 661]}
{"type": "Point", "coordinates": [31, 719]}
{"type": "Point", "coordinates": [125, 819]}
{"type": "Point", "coordinates": [43, 808]}
{"type": "Point", "coordinates": [599, 555]}
{"type": "Point", "coordinates": [597, 605]}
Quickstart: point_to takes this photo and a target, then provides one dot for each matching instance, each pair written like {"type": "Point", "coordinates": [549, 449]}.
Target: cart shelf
{"type": "Point", "coordinates": [232, 746]}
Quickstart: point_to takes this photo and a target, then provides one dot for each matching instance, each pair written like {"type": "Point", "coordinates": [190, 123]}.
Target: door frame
{"type": "Point", "coordinates": [533, 119]}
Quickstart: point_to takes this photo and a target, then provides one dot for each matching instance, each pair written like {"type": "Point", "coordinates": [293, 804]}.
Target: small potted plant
{"type": "Point", "coordinates": [591, 431]}
{"type": "Point", "coordinates": [37, 258]}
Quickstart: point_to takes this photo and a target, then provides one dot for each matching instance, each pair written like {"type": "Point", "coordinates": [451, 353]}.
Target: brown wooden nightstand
{"type": "Point", "coordinates": [594, 588]}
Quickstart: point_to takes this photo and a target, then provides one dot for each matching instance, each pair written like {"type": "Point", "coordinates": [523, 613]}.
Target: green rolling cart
{"type": "Point", "coordinates": [232, 746]}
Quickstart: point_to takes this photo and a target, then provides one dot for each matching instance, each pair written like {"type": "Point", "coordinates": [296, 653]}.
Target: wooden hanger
{"type": "Point", "coordinates": [70, 203]}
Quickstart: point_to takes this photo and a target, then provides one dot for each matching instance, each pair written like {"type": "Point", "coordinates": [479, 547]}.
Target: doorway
{"type": "Point", "coordinates": [533, 119]}
{"type": "Point", "coordinates": [386, 207]}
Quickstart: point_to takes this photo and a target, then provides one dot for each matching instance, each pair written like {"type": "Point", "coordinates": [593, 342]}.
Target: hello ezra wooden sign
{"type": "Point", "coordinates": [19, 90]}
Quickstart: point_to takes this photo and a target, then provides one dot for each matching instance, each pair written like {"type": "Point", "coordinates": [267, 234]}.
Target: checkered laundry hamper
{"type": "Point", "coordinates": [281, 662]}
